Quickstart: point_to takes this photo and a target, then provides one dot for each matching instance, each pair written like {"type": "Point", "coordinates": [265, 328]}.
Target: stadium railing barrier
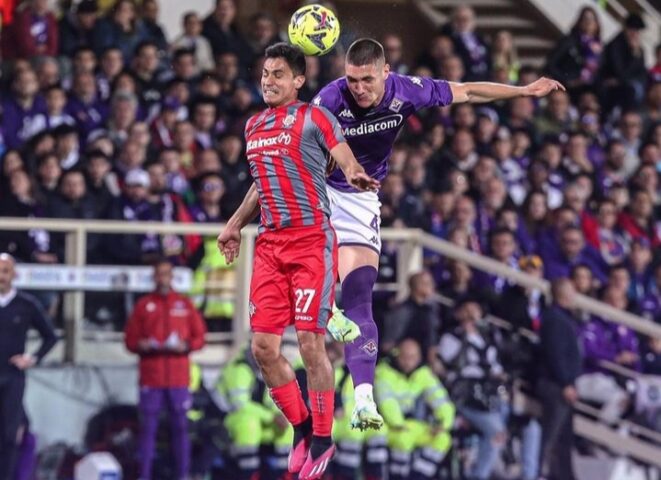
{"type": "Point", "coordinates": [644, 446]}
{"type": "Point", "coordinates": [411, 243]}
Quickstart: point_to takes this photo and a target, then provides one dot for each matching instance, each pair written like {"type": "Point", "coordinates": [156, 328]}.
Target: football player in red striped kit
{"type": "Point", "coordinates": [295, 266]}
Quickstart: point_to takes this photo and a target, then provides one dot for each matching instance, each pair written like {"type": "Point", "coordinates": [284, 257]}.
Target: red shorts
{"type": "Point", "coordinates": [293, 279]}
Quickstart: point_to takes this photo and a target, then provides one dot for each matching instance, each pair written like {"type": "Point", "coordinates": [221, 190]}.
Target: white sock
{"type": "Point", "coordinates": [363, 390]}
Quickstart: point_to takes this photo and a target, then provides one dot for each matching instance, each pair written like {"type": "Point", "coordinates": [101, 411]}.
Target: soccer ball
{"type": "Point", "coordinates": [314, 29]}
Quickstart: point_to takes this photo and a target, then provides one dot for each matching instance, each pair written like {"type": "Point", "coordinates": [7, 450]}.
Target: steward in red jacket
{"type": "Point", "coordinates": [164, 327]}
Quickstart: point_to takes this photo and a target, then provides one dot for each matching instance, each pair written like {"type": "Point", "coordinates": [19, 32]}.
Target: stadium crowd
{"type": "Point", "coordinates": [104, 118]}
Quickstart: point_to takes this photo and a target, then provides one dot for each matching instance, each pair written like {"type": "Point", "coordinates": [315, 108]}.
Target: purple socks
{"type": "Point", "coordinates": [357, 305]}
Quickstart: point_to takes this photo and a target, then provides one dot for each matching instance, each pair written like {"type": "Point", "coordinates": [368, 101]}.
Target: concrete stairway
{"type": "Point", "coordinates": [534, 35]}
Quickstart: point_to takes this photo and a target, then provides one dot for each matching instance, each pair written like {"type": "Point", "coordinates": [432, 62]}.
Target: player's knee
{"type": "Point", "coordinates": [312, 348]}
{"type": "Point", "coordinates": [265, 351]}
{"type": "Point", "coordinates": [358, 285]}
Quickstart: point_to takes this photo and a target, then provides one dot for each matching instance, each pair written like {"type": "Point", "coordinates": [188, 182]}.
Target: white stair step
{"type": "Point", "coordinates": [493, 22]}
{"type": "Point", "coordinates": [527, 41]}
{"type": "Point", "coordinates": [533, 61]}
{"type": "Point", "coordinates": [443, 4]}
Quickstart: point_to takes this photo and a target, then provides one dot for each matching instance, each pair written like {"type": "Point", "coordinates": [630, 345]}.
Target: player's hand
{"type": "Point", "coordinates": [23, 361]}
{"type": "Point", "coordinates": [542, 87]}
{"type": "Point", "coordinates": [570, 394]}
{"type": "Point", "coordinates": [362, 181]}
{"type": "Point", "coordinates": [229, 243]}
{"type": "Point", "coordinates": [147, 345]}
{"type": "Point", "coordinates": [179, 347]}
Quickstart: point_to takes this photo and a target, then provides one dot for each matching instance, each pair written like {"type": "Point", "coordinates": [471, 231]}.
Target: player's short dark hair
{"type": "Point", "coordinates": [498, 231]}
{"type": "Point", "coordinates": [290, 54]}
{"type": "Point", "coordinates": [365, 51]}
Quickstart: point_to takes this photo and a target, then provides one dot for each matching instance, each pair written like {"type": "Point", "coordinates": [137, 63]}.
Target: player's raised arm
{"type": "Point", "coordinates": [229, 240]}
{"type": "Point", "coordinates": [353, 171]}
{"type": "Point", "coordinates": [482, 92]}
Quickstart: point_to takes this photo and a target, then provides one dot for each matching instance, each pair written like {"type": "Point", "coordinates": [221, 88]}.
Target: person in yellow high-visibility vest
{"type": "Point", "coordinates": [358, 452]}
{"type": "Point", "coordinates": [260, 436]}
{"type": "Point", "coordinates": [403, 383]}
{"type": "Point", "coordinates": [213, 283]}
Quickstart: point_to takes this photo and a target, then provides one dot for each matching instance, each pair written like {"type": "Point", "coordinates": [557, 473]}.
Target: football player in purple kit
{"type": "Point", "coordinates": [371, 104]}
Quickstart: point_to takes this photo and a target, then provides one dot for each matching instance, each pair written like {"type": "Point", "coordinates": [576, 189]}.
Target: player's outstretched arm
{"type": "Point", "coordinates": [353, 171]}
{"type": "Point", "coordinates": [229, 240]}
{"type": "Point", "coordinates": [482, 92]}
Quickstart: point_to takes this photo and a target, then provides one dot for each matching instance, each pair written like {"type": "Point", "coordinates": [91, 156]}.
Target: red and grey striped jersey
{"type": "Point", "coordinates": [288, 149]}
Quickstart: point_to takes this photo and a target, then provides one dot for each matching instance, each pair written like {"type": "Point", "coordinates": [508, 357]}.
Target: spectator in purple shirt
{"type": "Point", "coordinates": [111, 65]}
{"type": "Point", "coordinates": [132, 205]}
{"type": "Point", "coordinates": [651, 304]}
{"type": "Point", "coordinates": [640, 260]}
{"type": "Point", "coordinates": [548, 239]}
{"type": "Point", "coordinates": [612, 172]}
{"type": "Point", "coordinates": [604, 341]}
{"type": "Point", "coordinates": [209, 194]}
{"type": "Point", "coordinates": [572, 252]}
{"type": "Point", "coordinates": [583, 280]}
{"type": "Point", "coordinates": [123, 112]}
{"type": "Point", "coordinates": [463, 219]}
{"type": "Point", "coordinates": [502, 246]}
{"type": "Point", "coordinates": [494, 196]}
{"type": "Point", "coordinates": [84, 104]}
{"type": "Point", "coordinates": [24, 112]}
{"type": "Point", "coordinates": [534, 214]}
{"type": "Point", "coordinates": [508, 217]}
{"type": "Point", "coordinates": [539, 179]}
{"type": "Point", "coordinates": [56, 100]}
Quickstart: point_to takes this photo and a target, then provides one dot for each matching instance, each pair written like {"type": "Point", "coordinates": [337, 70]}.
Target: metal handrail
{"type": "Point", "coordinates": [416, 238]}
{"type": "Point", "coordinates": [583, 302]}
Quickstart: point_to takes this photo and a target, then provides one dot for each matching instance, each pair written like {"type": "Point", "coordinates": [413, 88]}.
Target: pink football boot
{"type": "Point", "coordinates": [314, 469]}
{"type": "Point", "coordinates": [298, 455]}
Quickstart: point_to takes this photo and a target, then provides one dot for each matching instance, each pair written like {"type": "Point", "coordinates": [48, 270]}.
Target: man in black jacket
{"type": "Point", "coordinates": [623, 73]}
{"type": "Point", "coordinates": [417, 317]}
{"type": "Point", "coordinates": [561, 363]}
{"type": "Point", "coordinates": [18, 313]}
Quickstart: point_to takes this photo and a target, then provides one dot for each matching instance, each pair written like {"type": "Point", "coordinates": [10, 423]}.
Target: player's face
{"type": "Point", "coordinates": [279, 84]}
{"type": "Point", "coordinates": [367, 83]}
{"type": "Point", "coordinates": [6, 273]}
{"type": "Point", "coordinates": [163, 277]}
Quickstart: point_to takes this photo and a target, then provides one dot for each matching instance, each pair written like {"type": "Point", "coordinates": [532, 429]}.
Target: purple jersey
{"type": "Point", "coordinates": [371, 133]}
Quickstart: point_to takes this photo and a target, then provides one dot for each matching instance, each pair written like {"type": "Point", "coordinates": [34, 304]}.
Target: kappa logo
{"type": "Point", "coordinates": [395, 105]}
{"type": "Point", "coordinates": [317, 100]}
{"type": "Point", "coordinates": [252, 308]}
{"type": "Point", "coordinates": [370, 348]}
{"type": "Point", "coordinates": [416, 81]}
{"type": "Point", "coordinates": [289, 121]}
{"type": "Point", "coordinates": [346, 113]}
{"type": "Point", "coordinates": [374, 240]}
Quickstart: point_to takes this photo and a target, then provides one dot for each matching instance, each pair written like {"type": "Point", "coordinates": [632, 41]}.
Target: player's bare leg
{"type": "Point", "coordinates": [321, 387]}
{"type": "Point", "coordinates": [358, 270]}
{"type": "Point", "coordinates": [286, 393]}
